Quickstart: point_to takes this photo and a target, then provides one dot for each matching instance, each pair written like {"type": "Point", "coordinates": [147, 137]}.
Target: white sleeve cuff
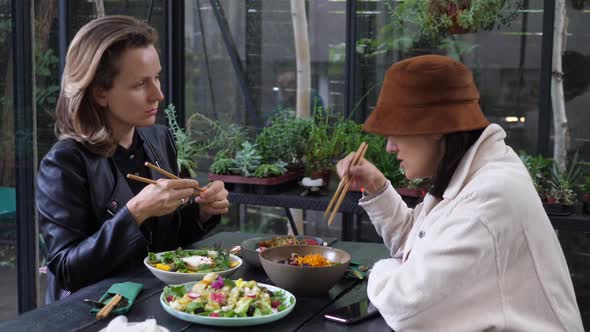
{"type": "Point", "coordinates": [375, 194]}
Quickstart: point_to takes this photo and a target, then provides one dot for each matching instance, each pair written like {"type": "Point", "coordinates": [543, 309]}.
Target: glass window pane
{"type": "Point", "coordinates": [262, 32]}
{"type": "Point", "coordinates": [576, 68]}
{"type": "Point", "coordinates": [506, 63]}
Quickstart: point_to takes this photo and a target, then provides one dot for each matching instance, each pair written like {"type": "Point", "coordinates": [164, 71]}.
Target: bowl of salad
{"type": "Point", "coordinates": [220, 301]}
{"type": "Point", "coordinates": [251, 248]}
{"type": "Point", "coordinates": [185, 265]}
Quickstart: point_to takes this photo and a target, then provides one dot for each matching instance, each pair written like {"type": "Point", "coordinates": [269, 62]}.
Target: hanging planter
{"type": "Point", "coordinates": [452, 11]}
{"type": "Point", "coordinates": [434, 19]}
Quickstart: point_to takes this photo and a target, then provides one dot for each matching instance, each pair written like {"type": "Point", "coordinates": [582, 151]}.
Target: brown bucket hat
{"type": "Point", "coordinates": [428, 94]}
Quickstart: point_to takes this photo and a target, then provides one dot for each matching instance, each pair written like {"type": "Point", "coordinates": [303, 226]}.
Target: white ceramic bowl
{"type": "Point", "coordinates": [174, 278]}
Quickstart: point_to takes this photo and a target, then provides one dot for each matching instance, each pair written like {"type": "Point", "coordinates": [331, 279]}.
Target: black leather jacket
{"type": "Point", "coordinates": [89, 233]}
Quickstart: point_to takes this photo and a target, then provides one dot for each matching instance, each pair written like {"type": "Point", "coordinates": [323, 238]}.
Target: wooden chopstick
{"type": "Point", "coordinates": [166, 173]}
{"type": "Point", "coordinates": [358, 156]}
{"type": "Point", "coordinates": [140, 179]}
{"type": "Point", "coordinates": [343, 181]}
{"type": "Point", "coordinates": [106, 310]}
{"type": "Point", "coordinates": [161, 171]}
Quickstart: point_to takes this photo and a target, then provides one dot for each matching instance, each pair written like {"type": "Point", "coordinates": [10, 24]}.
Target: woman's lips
{"type": "Point", "coordinates": [153, 111]}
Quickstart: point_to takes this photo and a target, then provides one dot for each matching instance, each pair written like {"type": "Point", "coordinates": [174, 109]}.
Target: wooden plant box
{"type": "Point", "coordinates": [558, 209]}
{"type": "Point", "coordinates": [415, 193]}
{"type": "Point", "coordinates": [238, 183]}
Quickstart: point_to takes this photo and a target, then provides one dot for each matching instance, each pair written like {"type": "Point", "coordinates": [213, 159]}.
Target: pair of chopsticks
{"type": "Point", "coordinates": [159, 170]}
{"type": "Point", "coordinates": [344, 184]}
{"type": "Point", "coordinates": [106, 310]}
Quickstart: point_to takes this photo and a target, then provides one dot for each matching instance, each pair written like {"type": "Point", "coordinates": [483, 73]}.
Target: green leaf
{"type": "Point", "coordinates": [177, 291]}
{"type": "Point", "coordinates": [152, 258]}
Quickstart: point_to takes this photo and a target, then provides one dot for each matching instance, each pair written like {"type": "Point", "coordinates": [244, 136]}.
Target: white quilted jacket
{"type": "Point", "coordinates": [485, 258]}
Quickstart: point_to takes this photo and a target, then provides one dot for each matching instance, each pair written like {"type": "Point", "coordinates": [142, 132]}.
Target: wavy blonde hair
{"type": "Point", "coordinates": [92, 62]}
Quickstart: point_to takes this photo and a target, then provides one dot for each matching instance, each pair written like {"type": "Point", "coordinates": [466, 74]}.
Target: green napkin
{"type": "Point", "coordinates": [128, 290]}
{"type": "Point", "coordinates": [357, 271]}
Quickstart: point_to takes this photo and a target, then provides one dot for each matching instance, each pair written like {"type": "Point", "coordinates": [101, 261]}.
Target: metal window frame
{"type": "Point", "coordinates": [63, 39]}
{"type": "Point", "coordinates": [174, 87]}
{"type": "Point", "coordinates": [25, 156]}
{"type": "Point", "coordinates": [545, 107]}
{"type": "Point", "coordinates": [350, 57]}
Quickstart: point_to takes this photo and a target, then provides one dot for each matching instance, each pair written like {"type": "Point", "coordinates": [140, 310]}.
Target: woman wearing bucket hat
{"type": "Point", "coordinates": [479, 253]}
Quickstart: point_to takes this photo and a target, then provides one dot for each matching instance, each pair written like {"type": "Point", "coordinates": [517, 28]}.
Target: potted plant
{"type": "Point", "coordinates": [560, 196]}
{"type": "Point", "coordinates": [246, 171]}
{"type": "Point", "coordinates": [285, 139]}
{"type": "Point", "coordinates": [538, 168]}
{"type": "Point", "coordinates": [414, 189]}
{"type": "Point", "coordinates": [201, 137]}
{"type": "Point", "coordinates": [185, 146]}
{"type": "Point", "coordinates": [321, 148]}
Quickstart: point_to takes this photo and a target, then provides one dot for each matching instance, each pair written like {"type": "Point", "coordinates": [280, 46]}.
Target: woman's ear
{"type": "Point", "coordinates": [100, 96]}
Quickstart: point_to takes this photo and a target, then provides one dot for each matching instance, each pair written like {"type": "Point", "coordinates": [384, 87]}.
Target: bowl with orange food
{"type": "Point", "coordinates": [303, 269]}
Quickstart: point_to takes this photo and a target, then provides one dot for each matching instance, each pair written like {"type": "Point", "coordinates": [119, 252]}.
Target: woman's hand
{"type": "Point", "coordinates": [363, 174]}
{"type": "Point", "coordinates": [161, 198]}
{"type": "Point", "coordinates": [213, 201]}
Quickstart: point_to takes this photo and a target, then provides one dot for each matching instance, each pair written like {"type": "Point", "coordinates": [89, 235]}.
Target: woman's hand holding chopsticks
{"type": "Point", "coordinates": [364, 173]}
{"type": "Point", "coordinates": [161, 198]}
{"type": "Point", "coordinates": [213, 201]}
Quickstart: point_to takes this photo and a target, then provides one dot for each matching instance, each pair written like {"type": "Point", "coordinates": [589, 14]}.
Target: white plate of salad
{"type": "Point", "coordinates": [185, 265]}
{"type": "Point", "coordinates": [219, 301]}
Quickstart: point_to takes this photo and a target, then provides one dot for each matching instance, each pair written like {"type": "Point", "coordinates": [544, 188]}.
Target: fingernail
{"type": "Point", "coordinates": [198, 199]}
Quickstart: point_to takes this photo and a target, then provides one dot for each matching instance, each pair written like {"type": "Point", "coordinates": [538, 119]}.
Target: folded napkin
{"type": "Point", "coordinates": [357, 271]}
{"type": "Point", "coordinates": [128, 291]}
{"type": "Point", "coordinates": [121, 324]}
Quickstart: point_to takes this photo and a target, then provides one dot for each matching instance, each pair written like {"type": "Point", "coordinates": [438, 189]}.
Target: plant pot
{"type": "Point", "coordinates": [259, 185]}
{"type": "Point", "coordinates": [414, 193]}
{"type": "Point", "coordinates": [558, 209]}
{"type": "Point", "coordinates": [412, 197]}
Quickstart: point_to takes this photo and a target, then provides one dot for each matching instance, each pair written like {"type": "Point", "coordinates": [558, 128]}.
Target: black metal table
{"type": "Point", "coordinates": [72, 314]}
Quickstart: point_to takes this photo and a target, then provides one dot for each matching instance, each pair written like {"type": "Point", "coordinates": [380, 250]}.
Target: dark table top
{"type": "Point", "coordinates": [72, 314]}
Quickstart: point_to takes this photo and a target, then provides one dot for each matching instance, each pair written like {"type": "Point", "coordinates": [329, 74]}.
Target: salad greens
{"type": "Point", "coordinates": [215, 296]}
{"type": "Point", "coordinates": [192, 260]}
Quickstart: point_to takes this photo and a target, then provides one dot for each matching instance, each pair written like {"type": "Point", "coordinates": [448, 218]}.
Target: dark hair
{"type": "Point", "coordinates": [456, 144]}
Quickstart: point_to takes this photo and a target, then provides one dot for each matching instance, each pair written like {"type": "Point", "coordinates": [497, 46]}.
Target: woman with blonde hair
{"type": "Point", "coordinates": [94, 220]}
{"type": "Point", "coordinates": [479, 254]}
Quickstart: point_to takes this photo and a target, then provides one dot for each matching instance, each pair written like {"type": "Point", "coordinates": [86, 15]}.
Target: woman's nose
{"type": "Point", "coordinates": [391, 146]}
{"type": "Point", "coordinates": [157, 94]}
